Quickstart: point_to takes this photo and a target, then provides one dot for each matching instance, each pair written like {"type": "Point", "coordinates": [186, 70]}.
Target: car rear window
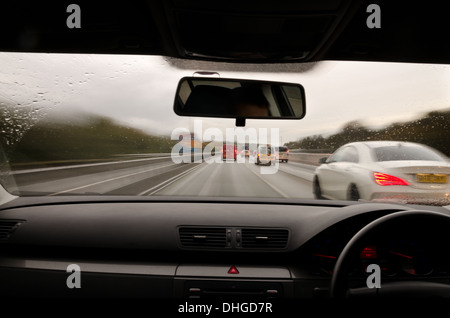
{"type": "Point", "coordinates": [392, 153]}
{"type": "Point", "coordinates": [282, 149]}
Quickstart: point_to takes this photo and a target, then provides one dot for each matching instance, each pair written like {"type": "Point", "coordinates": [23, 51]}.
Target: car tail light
{"type": "Point", "coordinates": [387, 180]}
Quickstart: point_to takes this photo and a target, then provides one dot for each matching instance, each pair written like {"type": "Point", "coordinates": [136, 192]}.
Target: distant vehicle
{"type": "Point", "coordinates": [244, 151]}
{"type": "Point", "coordinates": [265, 155]}
{"type": "Point", "coordinates": [380, 170]}
{"type": "Point", "coordinates": [283, 153]}
{"type": "Point", "coordinates": [229, 152]}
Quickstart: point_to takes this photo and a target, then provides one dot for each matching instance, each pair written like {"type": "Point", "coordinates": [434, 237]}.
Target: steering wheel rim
{"type": "Point", "coordinates": [339, 281]}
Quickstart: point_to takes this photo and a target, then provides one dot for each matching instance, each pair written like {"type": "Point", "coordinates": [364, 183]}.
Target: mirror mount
{"type": "Point", "coordinates": [240, 122]}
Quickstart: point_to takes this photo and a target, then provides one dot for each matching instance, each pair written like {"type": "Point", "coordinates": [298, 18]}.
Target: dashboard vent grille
{"type": "Point", "coordinates": [265, 238]}
{"type": "Point", "coordinates": [203, 236]}
{"type": "Point", "coordinates": [7, 227]}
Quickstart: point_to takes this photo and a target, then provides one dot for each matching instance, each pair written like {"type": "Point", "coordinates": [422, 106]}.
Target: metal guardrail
{"type": "Point", "coordinates": [308, 158]}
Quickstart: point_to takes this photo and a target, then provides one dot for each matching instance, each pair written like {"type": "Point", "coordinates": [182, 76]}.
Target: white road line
{"type": "Point", "coordinates": [108, 180]}
{"type": "Point", "coordinates": [270, 185]}
{"type": "Point", "coordinates": [298, 171]}
{"type": "Point", "coordinates": [84, 165]}
{"type": "Point", "coordinates": [167, 182]}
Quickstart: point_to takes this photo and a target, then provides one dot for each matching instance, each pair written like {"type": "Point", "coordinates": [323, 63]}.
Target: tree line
{"type": "Point", "coordinates": [433, 130]}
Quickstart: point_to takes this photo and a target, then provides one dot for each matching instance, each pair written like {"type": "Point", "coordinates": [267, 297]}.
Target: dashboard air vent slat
{"type": "Point", "coordinates": [265, 238]}
{"type": "Point", "coordinates": [202, 236]}
{"type": "Point", "coordinates": [7, 227]}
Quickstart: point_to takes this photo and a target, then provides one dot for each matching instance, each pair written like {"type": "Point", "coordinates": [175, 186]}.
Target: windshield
{"type": "Point", "coordinates": [84, 124]}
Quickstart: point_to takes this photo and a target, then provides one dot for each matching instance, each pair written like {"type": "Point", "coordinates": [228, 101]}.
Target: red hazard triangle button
{"type": "Point", "coordinates": [233, 270]}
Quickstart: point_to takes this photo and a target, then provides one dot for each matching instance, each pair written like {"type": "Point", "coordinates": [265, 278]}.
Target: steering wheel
{"type": "Point", "coordinates": [339, 281]}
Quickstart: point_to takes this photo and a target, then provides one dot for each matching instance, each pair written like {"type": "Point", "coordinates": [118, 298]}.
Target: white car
{"type": "Point", "coordinates": [265, 155]}
{"type": "Point", "coordinates": [384, 170]}
{"type": "Point", "coordinates": [283, 154]}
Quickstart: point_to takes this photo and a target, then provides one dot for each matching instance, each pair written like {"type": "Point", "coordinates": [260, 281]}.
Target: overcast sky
{"type": "Point", "coordinates": [139, 90]}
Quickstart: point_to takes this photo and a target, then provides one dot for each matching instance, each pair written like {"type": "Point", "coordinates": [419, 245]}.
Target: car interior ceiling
{"type": "Point", "coordinates": [234, 31]}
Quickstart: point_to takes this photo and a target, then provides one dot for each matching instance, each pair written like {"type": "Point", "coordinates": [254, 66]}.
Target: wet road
{"type": "Point", "coordinates": [161, 176]}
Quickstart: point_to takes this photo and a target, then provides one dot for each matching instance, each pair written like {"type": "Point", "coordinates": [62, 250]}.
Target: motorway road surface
{"type": "Point", "coordinates": [239, 179]}
{"type": "Point", "coordinates": [160, 176]}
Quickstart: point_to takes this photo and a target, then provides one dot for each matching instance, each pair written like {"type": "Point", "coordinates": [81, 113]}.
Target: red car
{"type": "Point", "coordinates": [229, 151]}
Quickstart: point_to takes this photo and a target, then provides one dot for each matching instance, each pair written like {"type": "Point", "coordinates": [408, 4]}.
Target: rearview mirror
{"type": "Point", "coordinates": [234, 98]}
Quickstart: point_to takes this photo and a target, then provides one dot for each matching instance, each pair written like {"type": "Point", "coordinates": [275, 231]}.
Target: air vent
{"type": "Point", "coordinates": [264, 238]}
{"type": "Point", "coordinates": [208, 237]}
{"type": "Point", "coordinates": [7, 227]}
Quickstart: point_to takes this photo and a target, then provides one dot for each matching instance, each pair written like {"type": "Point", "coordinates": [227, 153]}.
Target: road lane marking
{"type": "Point", "coordinates": [299, 172]}
{"type": "Point", "coordinates": [270, 185]}
{"type": "Point", "coordinates": [168, 182]}
{"type": "Point", "coordinates": [108, 180]}
{"type": "Point", "coordinates": [87, 165]}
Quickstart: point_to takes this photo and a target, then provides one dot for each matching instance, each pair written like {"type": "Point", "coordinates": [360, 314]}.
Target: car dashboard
{"type": "Point", "coordinates": [201, 248]}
